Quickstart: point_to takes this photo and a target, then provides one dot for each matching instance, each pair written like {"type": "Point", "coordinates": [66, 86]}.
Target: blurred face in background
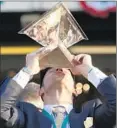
{"type": "Point", "coordinates": [31, 95]}
{"type": "Point", "coordinates": [58, 85]}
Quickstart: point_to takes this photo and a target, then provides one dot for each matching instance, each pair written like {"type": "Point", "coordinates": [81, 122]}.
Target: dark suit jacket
{"type": "Point", "coordinates": [25, 115]}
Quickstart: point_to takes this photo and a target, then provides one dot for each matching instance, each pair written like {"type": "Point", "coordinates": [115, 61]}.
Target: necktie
{"type": "Point", "coordinates": [59, 115]}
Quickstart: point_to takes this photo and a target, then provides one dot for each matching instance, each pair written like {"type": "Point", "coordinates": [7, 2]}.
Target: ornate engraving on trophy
{"type": "Point", "coordinates": [58, 23]}
{"type": "Point", "coordinates": [59, 29]}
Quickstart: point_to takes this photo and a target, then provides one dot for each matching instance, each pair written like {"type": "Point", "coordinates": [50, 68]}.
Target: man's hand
{"type": "Point", "coordinates": [32, 59]}
{"type": "Point", "coordinates": [32, 62]}
{"type": "Point", "coordinates": [82, 65]}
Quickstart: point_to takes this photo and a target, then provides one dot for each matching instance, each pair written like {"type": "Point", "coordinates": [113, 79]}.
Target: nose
{"type": "Point", "coordinates": [59, 70]}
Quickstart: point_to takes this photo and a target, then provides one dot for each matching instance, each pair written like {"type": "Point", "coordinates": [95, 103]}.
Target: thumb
{"type": "Point", "coordinates": [75, 70]}
{"type": "Point", "coordinates": [78, 70]}
{"type": "Point", "coordinates": [75, 62]}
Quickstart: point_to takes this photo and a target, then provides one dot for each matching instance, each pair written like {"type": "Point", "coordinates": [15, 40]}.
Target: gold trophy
{"type": "Point", "coordinates": [59, 29]}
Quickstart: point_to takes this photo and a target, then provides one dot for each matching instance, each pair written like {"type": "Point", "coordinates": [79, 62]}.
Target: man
{"type": "Point", "coordinates": [30, 94]}
{"type": "Point", "coordinates": [56, 91]}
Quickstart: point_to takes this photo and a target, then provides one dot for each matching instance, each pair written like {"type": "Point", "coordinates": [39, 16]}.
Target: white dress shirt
{"type": "Point", "coordinates": [68, 108]}
{"type": "Point", "coordinates": [95, 76]}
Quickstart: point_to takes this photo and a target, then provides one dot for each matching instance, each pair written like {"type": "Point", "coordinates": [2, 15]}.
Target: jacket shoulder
{"type": "Point", "coordinates": [26, 107]}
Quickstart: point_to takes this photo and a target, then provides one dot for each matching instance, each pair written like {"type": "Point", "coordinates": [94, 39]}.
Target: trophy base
{"type": "Point", "coordinates": [60, 57]}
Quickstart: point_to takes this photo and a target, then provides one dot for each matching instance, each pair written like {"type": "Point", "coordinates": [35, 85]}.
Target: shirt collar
{"type": "Point", "coordinates": [48, 108]}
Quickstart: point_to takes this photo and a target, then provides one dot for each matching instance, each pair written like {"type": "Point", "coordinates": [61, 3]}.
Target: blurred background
{"type": "Point", "coordinates": [97, 19]}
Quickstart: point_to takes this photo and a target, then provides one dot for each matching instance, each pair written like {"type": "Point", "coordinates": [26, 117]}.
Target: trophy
{"type": "Point", "coordinates": [57, 28]}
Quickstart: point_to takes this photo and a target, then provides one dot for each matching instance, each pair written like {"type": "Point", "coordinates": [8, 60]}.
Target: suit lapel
{"type": "Point", "coordinates": [45, 122]}
{"type": "Point", "coordinates": [77, 119]}
{"type": "Point", "coordinates": [35, 118]}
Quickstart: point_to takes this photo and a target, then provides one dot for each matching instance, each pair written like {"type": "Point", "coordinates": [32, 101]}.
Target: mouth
{"type": "Point", "coordinates": [60, 75]}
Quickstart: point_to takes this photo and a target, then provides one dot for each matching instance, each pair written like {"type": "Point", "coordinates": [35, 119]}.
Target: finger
{"type": "Point", "coordinates": [79, 57]}
{"type": "Point", "coordinates": [75, 62]}
{"type": "Point", "coordinates": [75, 70]}
{"type": "Point", "coordinates": [84, 58]}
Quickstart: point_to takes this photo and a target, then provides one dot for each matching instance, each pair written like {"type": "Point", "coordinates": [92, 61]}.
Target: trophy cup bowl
{"type": "Point", "coordinates": [59, 28]}
{"type": "Point", "coordinates": [54, 24]}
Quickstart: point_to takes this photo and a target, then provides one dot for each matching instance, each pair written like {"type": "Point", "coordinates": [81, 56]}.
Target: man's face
{"type": "Point", "coordinates": [57, 79]}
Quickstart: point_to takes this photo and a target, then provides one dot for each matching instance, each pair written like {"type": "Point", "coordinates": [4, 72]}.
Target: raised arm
{"type": "Point", "coordinates": [10, 90]}
{"type": "Point", "coordinates": [105, 113]}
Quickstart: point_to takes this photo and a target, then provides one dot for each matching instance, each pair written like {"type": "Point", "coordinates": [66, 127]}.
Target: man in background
{"type": "Point", "coordinates": [30, 94]}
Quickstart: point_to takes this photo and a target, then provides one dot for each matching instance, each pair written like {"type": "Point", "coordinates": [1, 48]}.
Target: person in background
{"type": "Point", "coordinates": [61, 109]}
{"type": "Point", "coordinates": [11, 73]}
{"type": "Point", "coordinates": [30, 94]}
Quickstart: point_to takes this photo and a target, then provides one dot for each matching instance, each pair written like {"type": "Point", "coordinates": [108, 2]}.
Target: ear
{"type": "Point", "coordinates": [41, 92]}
